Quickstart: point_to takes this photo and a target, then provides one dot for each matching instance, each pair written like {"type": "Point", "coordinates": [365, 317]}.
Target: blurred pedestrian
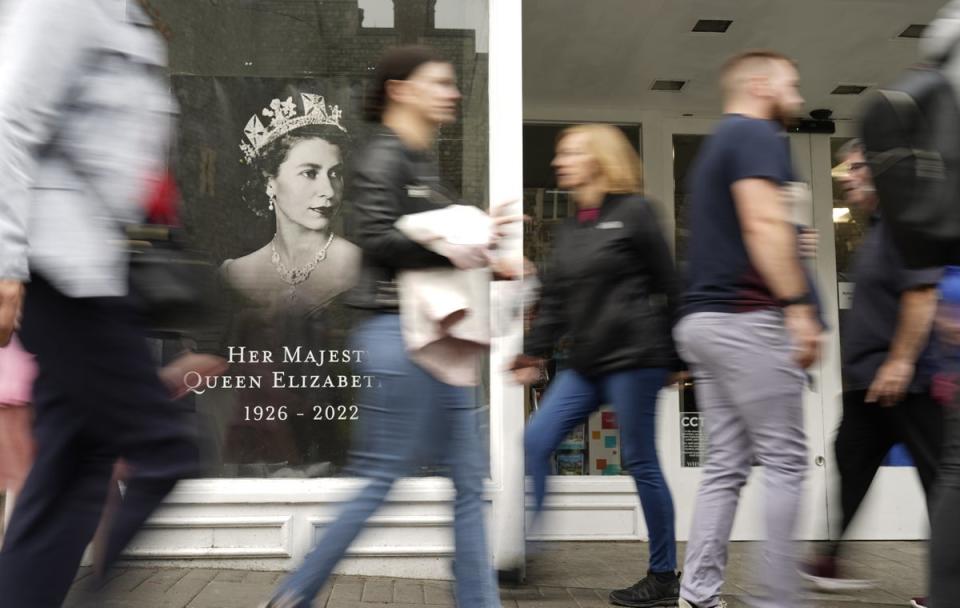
{"type": "Point", "coordinates": [17, 370]}
{"type": "Point", "coordinates": [921, 213]}
{"type": "Point", "coordinates": [944, 533]}
{"type": "Point", "coordinates": [938, 46]}
{"type": "Point", "coordinates": [611, 288]}
{"type": "Point", "coordinates": [410, 414]}
{"type": "Point", "coordinates": [888, 365]}
{"type": "Point", "coordinates": [85, 118]}
{"type": "Point", "coordinates": [750, 327]}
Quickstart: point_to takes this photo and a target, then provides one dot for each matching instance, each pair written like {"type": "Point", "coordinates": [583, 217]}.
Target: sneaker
{"type": "Point", "coordinates": [682, 603]}
{"type": "Point", "coordinates": [919, 602]}
{"type": "Point", "coordinates": [823, 573]}
{"type": "Point", "coordinates": [286, 601]}
{"type": "Point", "coordinates": [648, 592]}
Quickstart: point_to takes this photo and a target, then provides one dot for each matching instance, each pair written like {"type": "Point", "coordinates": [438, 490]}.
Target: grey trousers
{"type": "Point", "coordinates": [750, 393]}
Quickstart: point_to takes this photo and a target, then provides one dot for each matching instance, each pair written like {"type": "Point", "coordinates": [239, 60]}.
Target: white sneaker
{"type": "Point", "coordinates": [824, 574]}
{"type": "Point", "coordinates": [282, 602]}
{"type": "Point", "coordinates": [839, 585]}
{"type": "Point", "coordinates": [685, 604]}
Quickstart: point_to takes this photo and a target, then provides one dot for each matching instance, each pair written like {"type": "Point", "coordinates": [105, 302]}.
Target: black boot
{"type": "Point", "coordinates": [655, 589]}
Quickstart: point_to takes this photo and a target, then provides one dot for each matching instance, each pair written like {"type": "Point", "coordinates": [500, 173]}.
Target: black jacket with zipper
{"type": "Point", "coordinates": [611, 288]}
{"type": "Point", "coordinates": [390, 180]}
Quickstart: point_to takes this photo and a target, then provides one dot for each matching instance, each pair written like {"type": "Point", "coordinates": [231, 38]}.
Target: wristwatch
{"type": "Point", "coordinates": [804, 298]}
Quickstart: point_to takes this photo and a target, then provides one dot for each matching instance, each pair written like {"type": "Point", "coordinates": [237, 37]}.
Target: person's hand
{"type": "Point", "coordinates": [807, 241]}
{"type": "Point", "coordinates": [891, 382]}
{"type": "Point", "coordinates": [503, 269]}
{"type": "Point", "coordinates": [505, 223]}
{"type": "Point", "coordinates": [506, 270]}
{"type": "Point", "coordinates": [805, 331]}
{"type": "Point", "coordinates": [526, 369]}
{"type": "Point", "coordinates": [11, 301]}
{"type": "Point", "coordinates": [465, 257]}
{"type": "Point", "coordinates": [677, 378]}
{"type": "Point", "coordinates": [501, 213]}
{"type": "Point", "coordinates": [502, 223]}
{"type": "Point", "coordinates": [206, 366]}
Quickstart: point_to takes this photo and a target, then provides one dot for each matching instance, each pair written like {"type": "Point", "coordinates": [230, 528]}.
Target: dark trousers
{"type": "Point", "coordinates": [869, 430]}
{"type": "Point", "coordinates": [97, 398]}
{"type": "Point", "coordinates": [944, 519]}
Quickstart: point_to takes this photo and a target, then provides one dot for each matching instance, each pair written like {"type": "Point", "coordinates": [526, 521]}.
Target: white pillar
{"type": "Point", "coordinates": [506, 184]}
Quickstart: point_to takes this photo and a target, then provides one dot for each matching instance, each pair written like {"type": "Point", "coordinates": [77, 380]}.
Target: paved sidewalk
{"type": "Point", "coordinates": [561, 575]}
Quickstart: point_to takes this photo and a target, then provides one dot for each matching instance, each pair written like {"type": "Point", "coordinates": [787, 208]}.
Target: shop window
{"type": "Point", "coordinates": [685, 148]}
{"type": "Point", "coordinates": [240, 69]}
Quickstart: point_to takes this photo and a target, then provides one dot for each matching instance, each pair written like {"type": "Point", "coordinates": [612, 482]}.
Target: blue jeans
{"type": "Point", "coordinates": [569, 399]}
{"type": "Point", "coordinates": [408, 418]}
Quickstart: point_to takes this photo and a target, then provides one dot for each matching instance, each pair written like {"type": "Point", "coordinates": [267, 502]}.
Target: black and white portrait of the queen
{"type": "Point", "coordinates": [263, 168]}
{"type": "Point", "coordinates": [295, 150]}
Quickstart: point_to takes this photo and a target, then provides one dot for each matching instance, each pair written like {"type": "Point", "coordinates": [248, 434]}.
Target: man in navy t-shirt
{"type": "Point", "coordinates": [749, 326]}
{"type": "Point", "coordinates": [721, 277]}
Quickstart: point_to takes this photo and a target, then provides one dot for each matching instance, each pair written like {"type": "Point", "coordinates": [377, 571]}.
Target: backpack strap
{"type": "Point", "coordinates": [906, 109]}
{"type": "Point", "coordinates": [882, 161]}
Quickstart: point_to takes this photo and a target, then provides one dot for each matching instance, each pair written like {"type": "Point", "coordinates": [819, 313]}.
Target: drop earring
{"type": "Point", "coordinates": [273, 200]}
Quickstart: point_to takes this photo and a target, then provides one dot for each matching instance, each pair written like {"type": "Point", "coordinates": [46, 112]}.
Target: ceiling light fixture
{"type": "Point", "coordinates": [712, 26]}
{"type": "Point", "coordinates": [914, 30]}
{"type": "Point", "coordinates": [848, 89]}
{"type": "Point", "coordinates": [667, 85]}
{"type": "Point", "coordinates": [841, 215]}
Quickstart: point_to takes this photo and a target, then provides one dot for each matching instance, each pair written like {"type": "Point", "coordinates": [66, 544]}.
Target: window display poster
{"type": "Point", "coordinates": [270, 122]}
{"type": "Point", "coordinates": [262, 167]}
{"type": "Point", "coordinates": [693, 441]}
{"type": "Point", "coordinates": [570, 455]}
{"type": "Point", "coordinates": [604, 446]}
{"type": "Point", "coordinates": [570, 462]}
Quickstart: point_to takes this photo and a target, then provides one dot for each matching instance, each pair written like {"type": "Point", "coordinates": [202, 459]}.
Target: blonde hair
{"type": "Point", "coordinates": [619, 162]}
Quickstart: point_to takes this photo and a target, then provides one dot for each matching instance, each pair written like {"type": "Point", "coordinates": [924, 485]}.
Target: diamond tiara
{"type": "Point", "coordinates": [283, 118]}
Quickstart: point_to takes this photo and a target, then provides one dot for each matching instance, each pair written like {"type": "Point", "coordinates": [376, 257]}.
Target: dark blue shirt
{"type": "Point", "coordinates": [720, 276]}
{"type": "Point", "coordinates": [867, 330]}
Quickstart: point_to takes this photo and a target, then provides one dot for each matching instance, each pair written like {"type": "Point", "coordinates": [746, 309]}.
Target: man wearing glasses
{"type": "Point", "coordinates": [887, 366]}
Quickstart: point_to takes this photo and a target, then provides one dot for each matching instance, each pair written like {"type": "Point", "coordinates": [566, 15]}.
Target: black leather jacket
{"type": "Point", "coordinates": [390, 180]}
{"type": "Point", "coordinates": [611, 288]}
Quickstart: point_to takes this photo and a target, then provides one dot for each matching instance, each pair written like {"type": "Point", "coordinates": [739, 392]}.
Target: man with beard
{"type": "Point", "coordinates": [887, 367]}
{"type": "Point", "coordinates": [750, 326]}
